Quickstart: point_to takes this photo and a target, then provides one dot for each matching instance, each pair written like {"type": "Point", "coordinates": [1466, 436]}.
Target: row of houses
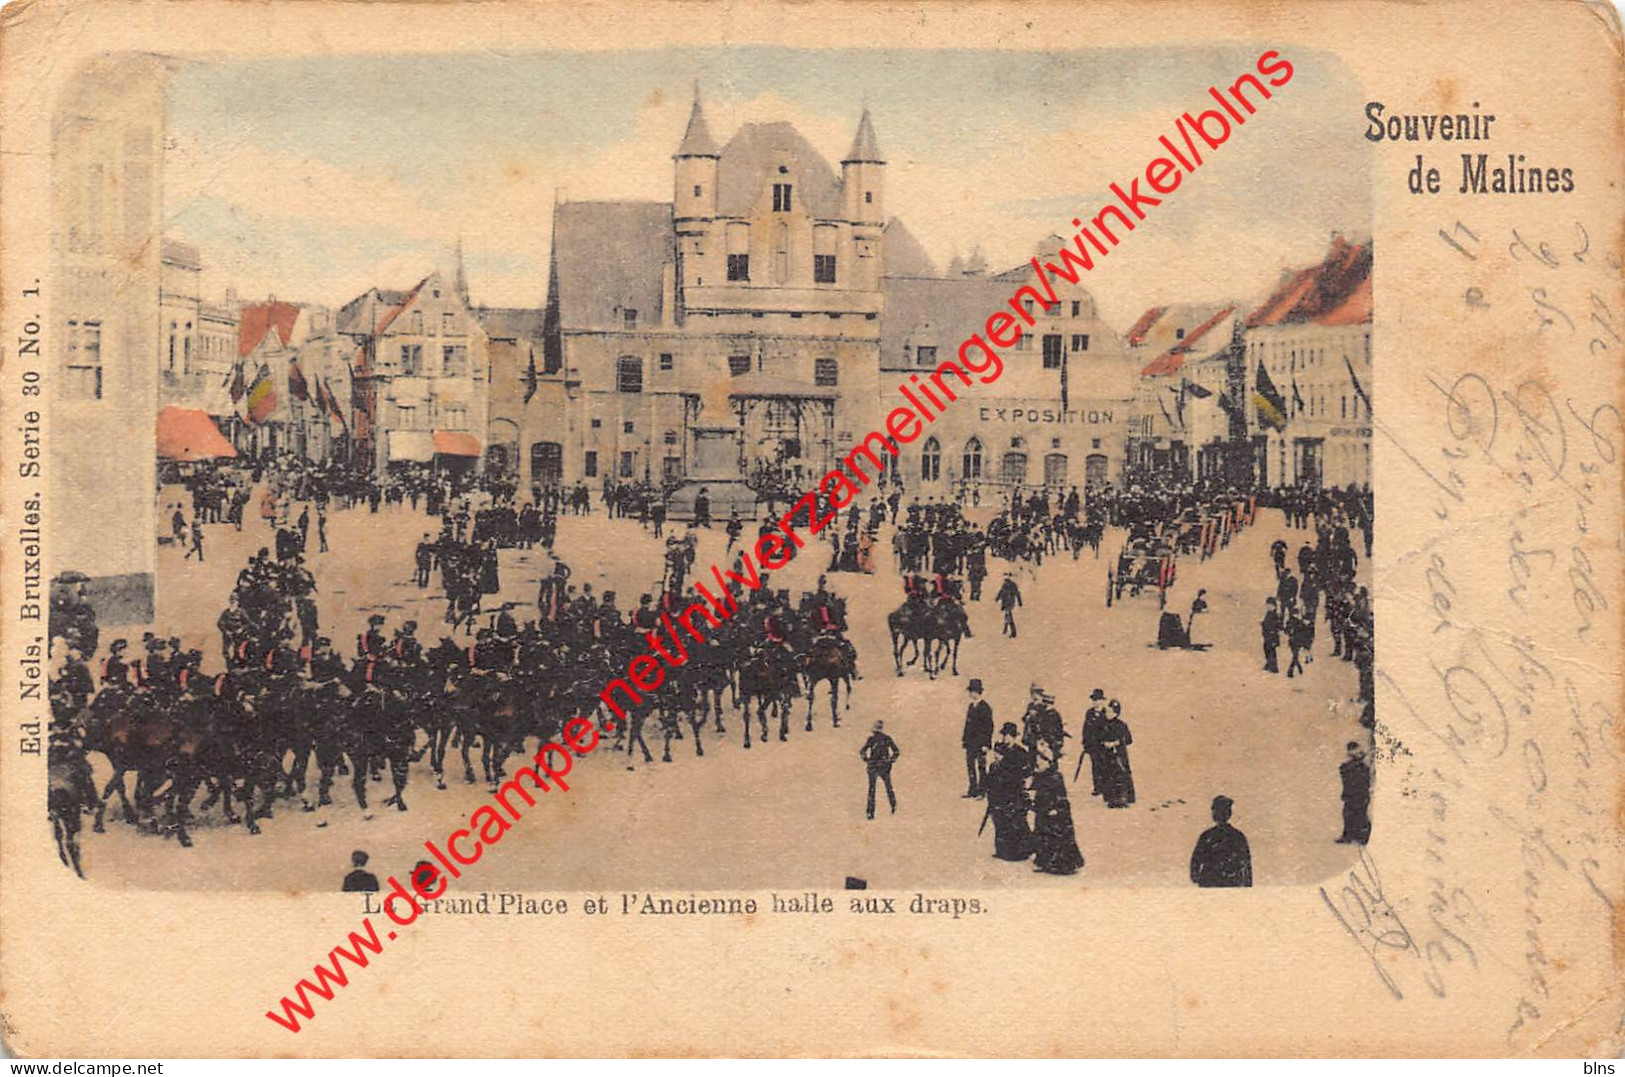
{"type": "Point", "coordinates": [775, 308]}
{"type": "Point", "coordinates": [1276, 393]}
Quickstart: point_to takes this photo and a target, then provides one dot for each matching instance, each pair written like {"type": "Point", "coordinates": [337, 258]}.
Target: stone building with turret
{"type": "Point", "coordinates": [751, 300]}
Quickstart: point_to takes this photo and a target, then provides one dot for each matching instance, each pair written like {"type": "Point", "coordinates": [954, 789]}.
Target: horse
{"type": "Point", "coordinates": [770, 681]}
{"type": "Point", "coordinates": [906, 627]}
{"type": "Point", "coordinates": [826, 660]}
{"type": "Point", "coordinates": [945, 624]}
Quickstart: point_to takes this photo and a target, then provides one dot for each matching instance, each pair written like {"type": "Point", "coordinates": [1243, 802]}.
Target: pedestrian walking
{"type": "Point", "coordinates": [977, 740]}
{"type": "Point", "coordinates": [1221, 856]}
{"type": "Point", "coordinates": [1006, 787]}
{"type": "Point", "coordinates": [1356, 775]}
{"type": "Point", "coordinates": [197, 538]}
{"type": "Point", "coordinates": [1270, 626]}
{"type": "Point", "coordinates": [879, 752]}
{"type": "Point", "coordinates": [1117, 778]}
{"type": "Point", "coordinates": [1009, 598]}
{"type": "Point", "coordinates": [1055, 842]}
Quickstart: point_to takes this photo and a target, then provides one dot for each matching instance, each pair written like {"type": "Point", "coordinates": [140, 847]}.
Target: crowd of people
{"type": "Point", "coordinates": [286, 696]}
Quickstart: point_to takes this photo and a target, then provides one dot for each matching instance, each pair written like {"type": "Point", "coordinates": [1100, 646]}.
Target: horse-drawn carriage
{"type": "Point", "coordinates": [1144, 563]}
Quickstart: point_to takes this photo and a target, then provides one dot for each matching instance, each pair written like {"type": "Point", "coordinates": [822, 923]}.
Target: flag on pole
{"type": "Point", "coordinates": [239, 385]}
{"type": "Point", "coordinates": [297, 385]}
{"type": "Point", "coordinates": [1268, 401]}
{"type": "Point", "coordinates": [1179, 402]}
{"type": "Point", "coordinates": [1163, 404]}
{"type": "Point", "coordinates": [531, 379]}
{"type": "Point", "coordinates": [1359, 390]}
{"type": "Point", "coordinates": [1200, 392]}
{"type": "Point", "coordinates": [261, 396]}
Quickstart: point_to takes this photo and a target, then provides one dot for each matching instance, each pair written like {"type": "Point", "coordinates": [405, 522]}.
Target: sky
{"type": "Point", "coordinates": [314, 179]}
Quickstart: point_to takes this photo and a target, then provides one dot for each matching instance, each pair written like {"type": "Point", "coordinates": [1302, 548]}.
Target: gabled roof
{"type": "Point", "coordinates": [371, 312]}
{"type": "Point", "coordinates": [608, 257]}
{"type": "Point", "coordinates": [258, 319]}
{"type": "Point", "coordinates": [865, 147]}
{"type": "Point", "coordinates": [1170, 361]}
{"type": "Point", "coordinates": [758, 150]}
{"type": "Point", "coordinates": [1308, 295]}
{"type": "Point", "coordinates": [901, 254]}
{"type": "Point", "coordinates": [394, 311]}
{"type": "Point", "coordinates": [1137, 332]}
{"type": "Point", "coordinates": [510, 323]}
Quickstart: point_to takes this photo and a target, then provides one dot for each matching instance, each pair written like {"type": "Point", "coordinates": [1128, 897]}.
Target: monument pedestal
{"type": "Point", "coordinates": [715, 470]}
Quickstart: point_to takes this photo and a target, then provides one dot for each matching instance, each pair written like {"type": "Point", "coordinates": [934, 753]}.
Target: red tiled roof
{"type": "Point", "coordinates": [1170, 361]}
{"type": "Point", "coordinates": [1320, 290]}
{"type": "Point", "coordinates": [1354, 310]}
{"type": "Point", "coordinates": [256, 321]}
{"type": "Point", "coordinates": [1137, 332]}
{"type": "Point", "coordinates": [188, 434]}
{"type": "Point", "coordinates": [395, 311]}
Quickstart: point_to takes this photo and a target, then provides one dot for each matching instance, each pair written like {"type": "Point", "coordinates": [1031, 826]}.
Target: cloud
{"type": "Point", "coordinates": [271, 219]}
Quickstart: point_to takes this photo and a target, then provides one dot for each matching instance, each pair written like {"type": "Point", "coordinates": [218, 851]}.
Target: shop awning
{"type": "Point", "coordinates": [188, 434]}
{"type": "Point", "coordinates": [411, 445]}
{"type": "Point", "coordinates": [456, 443]}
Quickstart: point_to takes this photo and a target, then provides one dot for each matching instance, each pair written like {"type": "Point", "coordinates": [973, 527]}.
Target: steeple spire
{"type": "Point", "coordinates": [460, 282]}
{"type": "Point", "coordinates": [697, 139]}
{"type": "Point", "coordinates": [865, 147]}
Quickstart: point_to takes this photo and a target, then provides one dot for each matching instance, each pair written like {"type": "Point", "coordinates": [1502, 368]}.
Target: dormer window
{"type": "Point", "coordinates": [781, 198]}
{"type": "Point", "coordinates": [631, 317]}
{"type": "Point", "coordinates": [1179, 334]}
{"type": "Point", "coordinates": [696, 190]}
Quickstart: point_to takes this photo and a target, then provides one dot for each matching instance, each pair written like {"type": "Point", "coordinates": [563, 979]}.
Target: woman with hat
{"type": "Point", "coordinates": [1117, 780]}
{"type": "Point", "coordinates": [1006, 787]}
{"type": "Point", "coordinates": [1055, 843]}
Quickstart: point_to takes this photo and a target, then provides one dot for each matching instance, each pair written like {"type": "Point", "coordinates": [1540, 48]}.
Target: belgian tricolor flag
{"type": "Point", "coordinates": [261, 396]}
{"type": "Point", "coordinates": [297, 385]}
{"type": "Point", "coordinates": [1267, 399]}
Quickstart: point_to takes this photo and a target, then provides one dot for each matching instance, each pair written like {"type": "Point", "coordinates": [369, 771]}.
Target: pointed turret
{"type": "Point", "coordinates": [863, 180]}
{"type": "Point", "coordinates": [460, 278]}
{"type": "Point", "coordinates": [865, 146]}
{"type": "Point", "coordinates": [697, 141]}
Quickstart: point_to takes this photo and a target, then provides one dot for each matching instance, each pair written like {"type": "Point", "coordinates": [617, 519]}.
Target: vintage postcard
{"type": "Point", "coordinates": [967, 529]}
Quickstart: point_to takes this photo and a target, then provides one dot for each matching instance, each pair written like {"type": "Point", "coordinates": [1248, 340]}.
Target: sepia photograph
{"type": "Point", "coordinates": [838, 501]}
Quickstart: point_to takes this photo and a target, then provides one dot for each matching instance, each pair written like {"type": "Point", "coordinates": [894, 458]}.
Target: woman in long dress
{"type": "Point", "coordinates": [1117, 779]}
{"type": "Point", "coordinates": [866, 555]}
{"type": "Point", "coordinates": [1054, 839]}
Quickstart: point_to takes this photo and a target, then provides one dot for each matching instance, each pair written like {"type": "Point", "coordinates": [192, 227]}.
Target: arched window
{"type": "Point", "coordinates": [970, 465]}
{"type": "Point", "coordinates": [629, 375]}
{"type": "Point", "coordinates": [931, 461]}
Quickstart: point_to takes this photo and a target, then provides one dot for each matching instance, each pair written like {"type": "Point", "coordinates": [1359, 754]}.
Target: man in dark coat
{"type": "Point", "coordinates": [1009, 598]}
{"type": "Point", "coordinates": [1041, 724]}
{"type": "Point", "coordinates": [977, 739]}
{"type": "Point", "coordinates": [1221, 856]}
{"type": "Point", "coordinates": [1271, 628]}
{"type": "Point", "coordinates": [1093, 720]}
{"type": "Point", "coordinates": [1356, 774]}
{"type": "Point", "coordinates": [879, 752]}
{"type": "Point", "coordinates": [1006, 786]}
{"type": "Point", "coordinates": [360, 880]}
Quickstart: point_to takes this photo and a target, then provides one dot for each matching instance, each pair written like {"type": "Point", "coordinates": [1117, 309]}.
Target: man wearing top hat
{"type": "Point", "coordinates": [977, 739]}
{"type": "Point", "coordinates": [1094, 720]}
